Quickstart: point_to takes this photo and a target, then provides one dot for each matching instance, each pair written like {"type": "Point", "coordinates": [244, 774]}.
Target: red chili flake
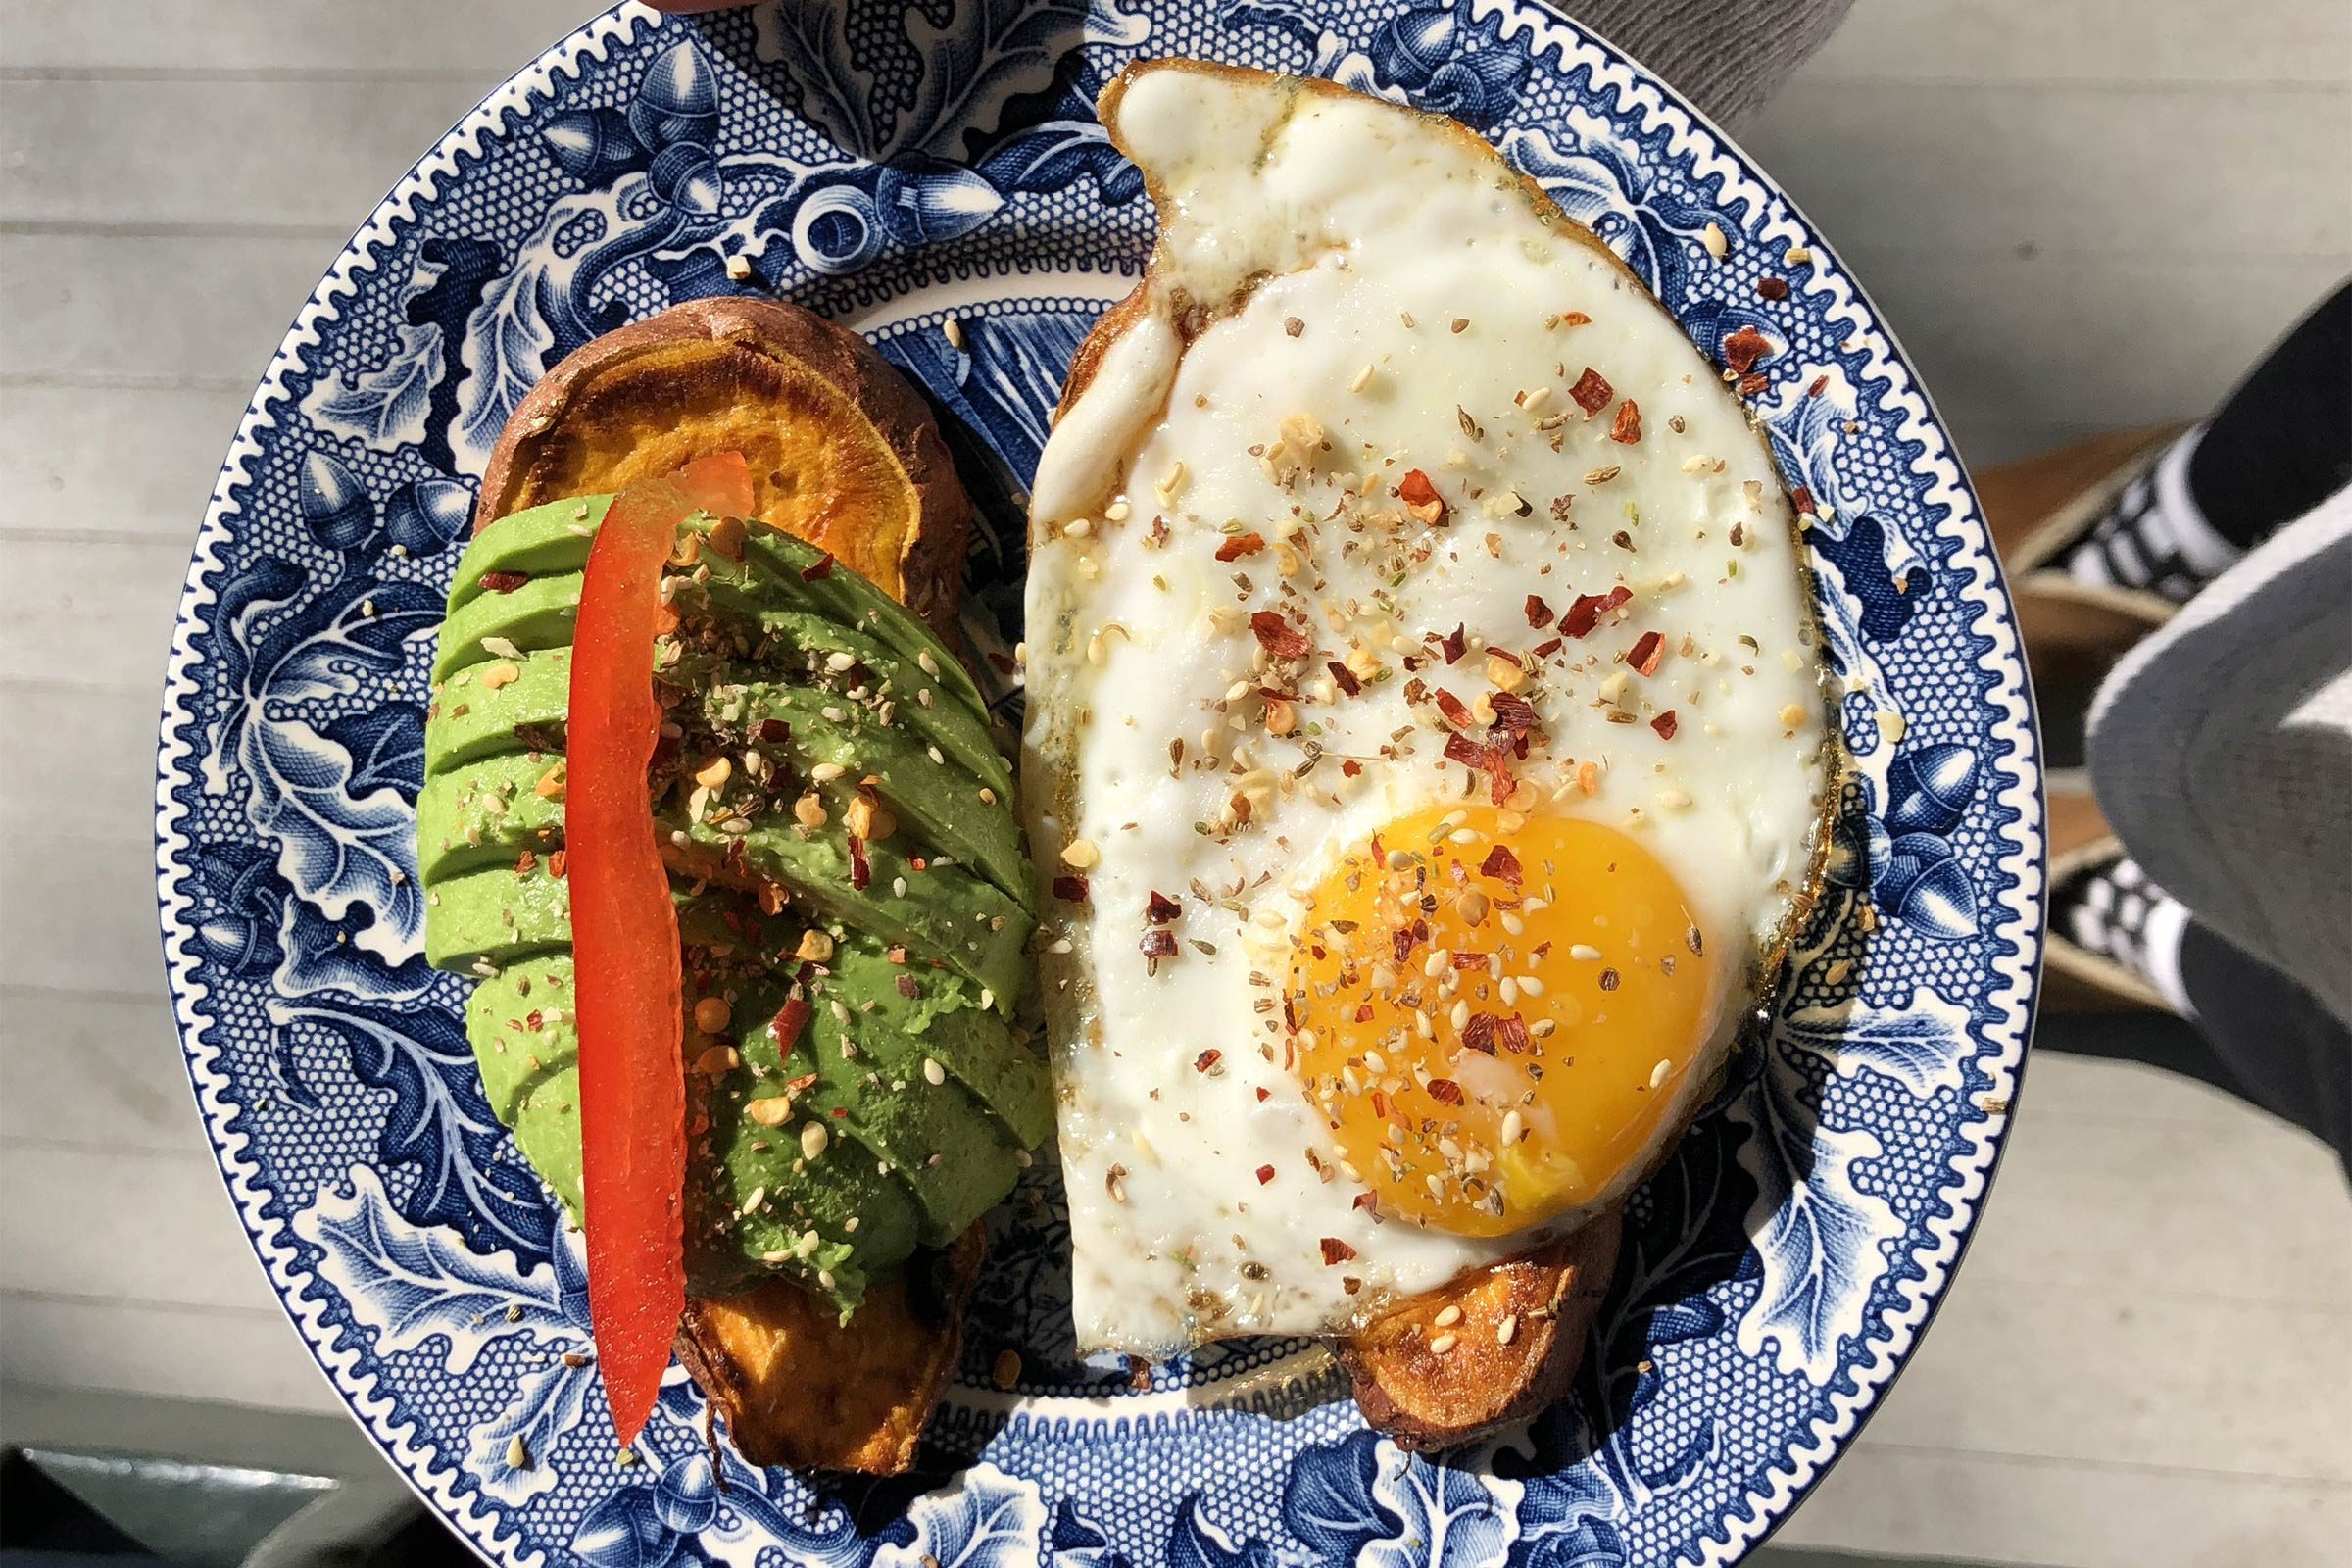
{"type": "Point", "coordinates": [1666, 725]}
{"type": "Point", "coordinates": [1772, 288]}
{"type": "Point", "coordinates": [1514, 714]}
{"type": "Point", "coordinates": [1207, 1060]}
{"type": "Point", "coordinates": [821, 569]}
{"type": "Point", "coordinates": [558, 864]}
{"type": "Point", "coordinates": [1462, 749]}
{"type": "Point", "coordinates": [1070, 889]}
{"type": "Point", "coordinates": [805, 1080]}
{"type": "Point", "coordinates": [1592, 391]}
{"type": "Point", "coordinates": [1351, 767]}
{"type": "Point", "coordinates": [1539, 613]}
{"type": "Point", "coordinates": [1801, 498]}
{"type": "Point", "coordinates": [1264, 1095]}
{"type": "Point", "coordinates": [909, 987]}
{"type": "Point", "coordinates": [525, 864]}
{"type": "Point", "coordinates": [1546, 648]}
{"type": "Point", "coordinates": [503, 582]}
{"type": "Point", "coordinates": [1416, 492]}
{"type": "Point", "coordinates": [1645, 653]}
{"type": "Point", "coordinates": [1363, 1013]}
{"type": "Point", "coordinates": [1158, 943]}
{"type": "Point", "coordinates": [1626, 430]}
{"type": "Point", "coordinates": [1240, 545]}
{"type": "Point", "coordinates": [1454, 643]}
{"type": "Point", "coordinates": [1266, 1174]}
{"type": "Point", "coordinates": [1336, 1251]}
{"type": "Point", "coordinates": [1278, 636]}
{"type": "Point", "coordinates": [862, 870]}
{"type": "Point", "coordinates": [1451, 707]}
{"type": "Point", "coordinates": [1344, 678]}
{"type": "Point", "coordinates": [774, 731]}
{"type": "Point", "coordinates": [1444, 1090]}
{"type": "Point", "coordinates": [1479, 1033]}
{"type": "Point", "coordinates": [791, 1020]}
{"type": "Point", "coordinates": [1503, 865]}
{"type": "Point", "coordinates": [1159, 908]}
{"type": "Point", "coordinates": [1750, 385]}
{"type": "Point", "coordinates": [1586, 613]}
{"type": "Point", "coordinates": [1500, 783]}
{"type": "Point", "coordinates": [1821, 384]}
{"type": "Point", "coordinates": [1743, 348]}
{"type": "Point", "coordinates": [1511, 1035]}
{"type": "Point", "coordinates": [1367, 1199]}
{"type": "Point", "coordinates": [1380, 1104]}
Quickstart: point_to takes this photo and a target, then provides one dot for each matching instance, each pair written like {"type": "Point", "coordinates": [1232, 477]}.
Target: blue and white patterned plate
{"type": "Point", "coordinates": [895, 166]}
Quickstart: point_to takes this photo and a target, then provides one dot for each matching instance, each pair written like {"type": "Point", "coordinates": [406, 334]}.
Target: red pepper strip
{"type": "Point", "coordinates": [625, 940]}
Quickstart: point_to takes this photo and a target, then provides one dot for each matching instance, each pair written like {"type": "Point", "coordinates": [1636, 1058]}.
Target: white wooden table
{"type": "Point", "coordinates": [2078, 216]}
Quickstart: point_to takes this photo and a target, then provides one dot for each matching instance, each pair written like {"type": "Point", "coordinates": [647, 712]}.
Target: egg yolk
{"type": "Point", "coordinates": [1494, 1013]}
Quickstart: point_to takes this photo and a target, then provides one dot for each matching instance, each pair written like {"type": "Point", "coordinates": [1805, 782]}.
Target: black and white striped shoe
{"type": "Point", "coordinates": [2119, 920]}
{"type": "Point", "coordinates": [2100, 569]}
{"type": "Point", "coordinates": [2152, 538]}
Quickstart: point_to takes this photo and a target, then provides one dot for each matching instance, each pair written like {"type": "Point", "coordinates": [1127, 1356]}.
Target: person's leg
{"type": "Point", "coordinates": [2221, 749]}
{"type": "Point", "coordinates": [2289, 1055]}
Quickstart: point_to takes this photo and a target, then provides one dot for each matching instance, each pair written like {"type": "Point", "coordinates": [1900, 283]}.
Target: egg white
{"type": "Point", "coordinates": [1334, 256]}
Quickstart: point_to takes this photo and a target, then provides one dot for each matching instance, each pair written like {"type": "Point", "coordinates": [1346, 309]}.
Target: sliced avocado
{"type": "Point", "coordinates": [555, 538]}
{"type": "Point", "coordinates": [917, 701]}
{"type": "Point", "coordinates": [955, 1156]}
{"type": "Point", "coordinates": [469, 719]}
{"type": "Point", "coordinates": [494, 916]}
{"type": "Point", "coordinates": [944, 912]}
{"type": "Point", "coordinates": [942, 1021]}
{"type": "Point", "coordinates": [540, 540]}
{"type": "Point", "coordinates": [543, 612]}
{"type": "Point", "coordinates": [487, 812]}
{"type": "Point", "coordinates": [892, 1158]}
{"type": "Point", "coordinates": [520, 1021]}
{"type": "Point", "coordinates": [547, 1129]}
{"type": "Point", "coordinates": [942, 799]}
{"type": "Point", "coordinates": [849, 600]}
{"type": "Point", "coordinates": [865, 1222]}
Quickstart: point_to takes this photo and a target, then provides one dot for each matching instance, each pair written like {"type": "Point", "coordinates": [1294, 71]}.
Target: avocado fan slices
{"type": "Point", "coordinates": [827, 786]}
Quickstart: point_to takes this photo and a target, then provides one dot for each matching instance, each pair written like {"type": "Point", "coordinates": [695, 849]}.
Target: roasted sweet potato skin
{"type": "Point", "coordinates": [1512, 1338]}
{"type": "Point", "coordinates": [844, 453]}
{"type": "Point", "coordinates": [797, 1387]}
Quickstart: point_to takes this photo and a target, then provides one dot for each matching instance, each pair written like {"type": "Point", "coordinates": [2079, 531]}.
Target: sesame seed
{"type": "Point", "coordinates": [1443, 1343]}
{"type": "Point", "coordinates": [953, 330]}
{"type": "Point", "coordinates": [1508, 1330]}
{"type": "Point", "coordinates": [933, 1073]}
{"type": "Point", "coordinates": [1584, 953]}
{"type": "Point", "coordinates": [1448, 1317]}
{"type": "Point", "coordinates": [1713, 238]}
{"type": "Point", "coordinates": [1660, 1073]}
{"type": "Point", "coordinates": [813, 1139]}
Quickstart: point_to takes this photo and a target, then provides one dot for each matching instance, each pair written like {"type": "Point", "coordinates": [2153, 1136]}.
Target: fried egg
{"type": "Point", "coordinates": [1426, 747]}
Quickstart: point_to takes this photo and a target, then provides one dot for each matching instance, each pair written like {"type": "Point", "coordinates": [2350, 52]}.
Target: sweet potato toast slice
{"type": "Point", "coordinates": [797, 1387]}
{"type": "Point", "coordinates": [1512, 1338]}
{"type": "Point", "coordinates": [844, 453]}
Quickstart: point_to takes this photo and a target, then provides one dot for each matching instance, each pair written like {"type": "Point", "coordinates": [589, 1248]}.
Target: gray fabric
{"type": "Point", "coordinates": [1726, 56]}
{"type": "Point", "coordinates": [2220, 749]}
